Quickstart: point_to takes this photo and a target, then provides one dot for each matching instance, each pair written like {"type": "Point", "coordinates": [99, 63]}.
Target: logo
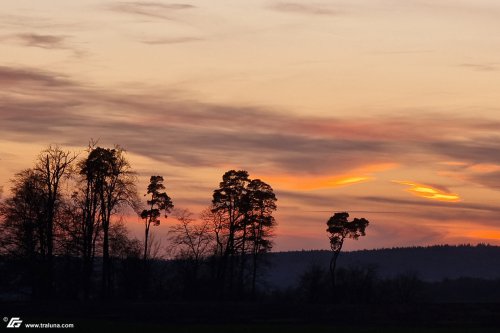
{"type": "Point", "coordinates": [15, 322]}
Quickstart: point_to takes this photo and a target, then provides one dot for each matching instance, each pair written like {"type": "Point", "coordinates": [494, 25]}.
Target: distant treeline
{"type": "Point", "coordinates": [358, 285]}
{"type": "Point", "coordinates": [431, 263]}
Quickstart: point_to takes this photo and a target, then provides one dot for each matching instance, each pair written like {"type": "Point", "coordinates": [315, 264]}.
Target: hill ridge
{"type": "Point", "coordinates": [430, 263]}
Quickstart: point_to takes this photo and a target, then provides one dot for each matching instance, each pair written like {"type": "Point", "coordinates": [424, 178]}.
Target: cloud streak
{"type": "Point", "coordinates": [196, 133]}
{"type": "Point", "coordinates": [484, 149]}
{"type": "Point", "coordinates": [41, 106]}
{"type": "Point", "coordinates": [30, 79]}
{"type": "Point", "coordinates": [429, 192]}
{"type": "Point", "coordinates": [42, 41]}
{"type": "Point", "coordinates": [172, 40]}
{"type": "Point", "coordinates": [433, 203]}
{"type": "Point", "coordinates": [488, 179]}
{"type": "Point", "coordinates": [305, 9]}
{"type": "Point", "coordinates": [149, 9]}
{"type": "Point", "coordinates": [481, 67]}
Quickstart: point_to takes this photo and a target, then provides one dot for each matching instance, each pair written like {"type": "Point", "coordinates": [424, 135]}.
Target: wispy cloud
{"type": "Point", "coordinates": [149, 9]}
{"type": "Point", "coordinates": [312, 183]}
{"type": "Point", "coordinates": [309, 199]}
{"type": "Point", "coordinates": [303, 8]}
{"type": "Point", "coordinates": [481, 149]}
{"type": "Point", "coordinates": [197, 133]}
{"type": "Point", "coordinates": [14, 77]}
{"type": "Point", "coordinates": [42, 41]}
{"type": "Point", "coordinates": [41, 106]}
{"type": "Point", "coordinates": [481, 67]}
{"type": "Point", "coordinates": [171, 40]}
{"type": "Point", "coordinates": [484, 174]}
{"type": "Point", "coordinates": [359, 175]}
{"type": "Point", "coordinates": [37, 22]}
{"type": "Point", "coordinates": [433, 192]}
{"type": "Point", "coordinates": [432, 203]}
{"type": "Point", "coordinates": [486, 179]}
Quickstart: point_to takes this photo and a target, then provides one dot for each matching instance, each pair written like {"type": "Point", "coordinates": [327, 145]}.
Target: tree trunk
{"type": "Point", "coordinates": [241, 276]}
{"type": "Point", "coordinates": [105, 260]}
{"type": "Point", "coordinates": [87, 273]}
{"type": "Point", "coordinates": [146, 235]}
{"type": "Point", "coordinates": [254, 273]}
{"type": "Point", "coordinates": [333, 265]}
{"type": "Point", "coordinates": [49, 269]}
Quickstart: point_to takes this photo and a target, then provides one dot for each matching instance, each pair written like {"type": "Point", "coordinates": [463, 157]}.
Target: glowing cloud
{"type": "Point", "coordinates": [358, 175]}
{"type": "Point", "coordinates": [350, 180]}
{"type": "Point", "coordinates": [314, 183]}
{"type": "Point", "coordinates": [484, 168]}
{"type": "Point", "coordinates": [465, 231]}
{"type": "Point", "coordinates": [483, 234]}
{"type": "Point", "coordinates": [429, 192]}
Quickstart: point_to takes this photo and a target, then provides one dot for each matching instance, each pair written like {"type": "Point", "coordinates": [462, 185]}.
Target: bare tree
{"type": "Point", "coordinates": [120, 244]}
{"type": "Point", "coordinates": [53, 164]}
{"type": "Point", "coordinates": [192, 239]}
{"type": "Point", "coordinates": [218, 226]}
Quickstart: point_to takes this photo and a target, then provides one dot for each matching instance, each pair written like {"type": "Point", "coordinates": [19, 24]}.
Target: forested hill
{"type": "Point", "coordinates": [432, 263]}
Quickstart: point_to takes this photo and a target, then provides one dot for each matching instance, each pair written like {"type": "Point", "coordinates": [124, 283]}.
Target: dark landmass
{"type": "Point", "coordinates": [432, 289]}
{"type": "Point", "coordinates": [430, 264]}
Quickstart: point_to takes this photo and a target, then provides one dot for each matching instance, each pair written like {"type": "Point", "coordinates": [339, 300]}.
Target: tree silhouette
{"type": "Point", "coordinates": [340, 228]}
{"type": "Point", "coordinates": [191, 242]}
{"type": "Point", "coordinates": [262, 203]}
{"type": "Point", "coordinates": [89, 200]}
{"type": "Point", "coordinates": [159, 202]}
{"type": "Point", "coordinates": [216, 222]}
{"type": "Point", "coordinates": [52, 165]}
{"type": "Point", "coordinates": [242, 222]}
{"type": "Point", "coordinates": [228, 203]}
{"type": "Point", "coordinates": [109, 184]}
{"type": "Point", "coordinates": [192, 239]}
{"type": "Point", "coordinates": [23, 227]}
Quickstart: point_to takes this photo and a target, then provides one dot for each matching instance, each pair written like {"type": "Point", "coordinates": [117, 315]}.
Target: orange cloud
{"type": "Point", "coordinates": [313, 183]}
{"type": "Point", "coordinates": [359, 175]}
{"type": "Point", "coordinates": [429, 192]}
{"type": "Point", "coordinates": [484, 168]}
{"type": "Point", "coordinates": [454, 163]}
{"type": "Point", "coordinates": [378, 167]}
{"type": "Point", "coordinates": [484, 234]}
{"type": "Point", "coordinates": [469, 232]}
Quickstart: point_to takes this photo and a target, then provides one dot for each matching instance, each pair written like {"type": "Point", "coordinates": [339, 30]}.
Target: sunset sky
{"type": "Point", "coordinates": [389, 110]}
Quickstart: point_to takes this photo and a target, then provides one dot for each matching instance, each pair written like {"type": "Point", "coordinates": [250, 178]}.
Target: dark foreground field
{"type": "Point", "coordinates": [247, 317]}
